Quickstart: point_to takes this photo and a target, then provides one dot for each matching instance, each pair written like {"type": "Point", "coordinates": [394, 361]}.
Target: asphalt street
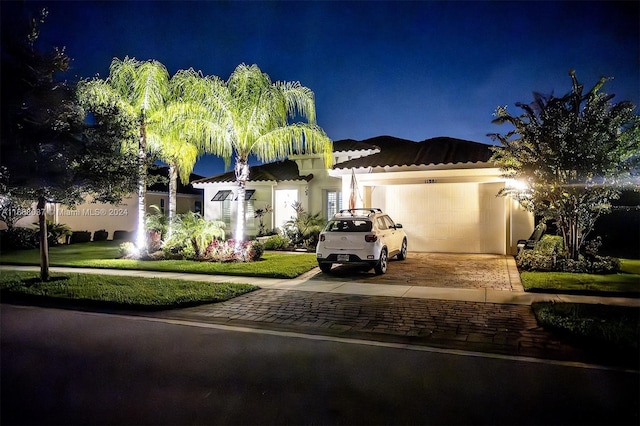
{"type": "Point", "coordinates": [72, 367]}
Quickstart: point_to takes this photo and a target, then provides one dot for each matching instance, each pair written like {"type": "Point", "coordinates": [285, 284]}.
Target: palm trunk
{"type": "Point", "coordinates": [141, 239]}
{"type": "Point", "coordinates": [242, 176]}
{"type": "Point", "coordinates": [44, 243]}
{"type": "Point", "coordinates": [173, 189]}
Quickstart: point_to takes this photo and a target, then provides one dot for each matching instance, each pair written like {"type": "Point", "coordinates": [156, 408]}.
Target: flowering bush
{"type": "Point", "coordinates": [226, 251]}
{"type": "Point", "coordinates": [220, 251]}
{"type": "Point", "coordinates": [154, 241]}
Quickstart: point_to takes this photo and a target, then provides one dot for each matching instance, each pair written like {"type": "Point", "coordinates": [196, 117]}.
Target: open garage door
{"type": "Point", "coordinates": [447, 217]}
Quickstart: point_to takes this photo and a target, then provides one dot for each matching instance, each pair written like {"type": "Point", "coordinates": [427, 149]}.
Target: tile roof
{"type": "Point", "coordinates": [402, 152]}
{"type": "Point", "coordinates": [278, 171]}
{"type": "Point", "coordinates": [351, 145]}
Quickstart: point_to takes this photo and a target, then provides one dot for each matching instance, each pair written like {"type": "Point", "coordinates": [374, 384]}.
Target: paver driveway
{"type": "Point", "coordinates": [448, 270]}
{"type": "Point", "coordinates": [508, 329]}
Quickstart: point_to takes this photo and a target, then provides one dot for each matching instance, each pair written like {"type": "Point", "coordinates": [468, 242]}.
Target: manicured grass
{"type": "Point", "coordinates": [630, 266]}
{"type": "Point", "coordinates": [564, 282]}
{"type": "Point", "coordinates": [626, 282]}
{"type": "Point", "coordinates": [105, 254]}
{"type": "Point", "coordinates": [613, 331]}
{"type": "Point", "coordinates": [117, 291]}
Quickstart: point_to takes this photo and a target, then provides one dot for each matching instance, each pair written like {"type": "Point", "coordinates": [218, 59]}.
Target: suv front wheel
{"type": "Point", "coordinates": [403, 250]}
{"type": "Point", "coordinates": [381, 266]}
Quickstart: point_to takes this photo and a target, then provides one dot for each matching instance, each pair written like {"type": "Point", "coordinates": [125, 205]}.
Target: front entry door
{"type": "Point", "coordinates": [283, 206]}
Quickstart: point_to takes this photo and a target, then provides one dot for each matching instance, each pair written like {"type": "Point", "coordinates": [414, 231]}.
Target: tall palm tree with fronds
{"type": "Point", "coordinates": [141, 88]}
{"type": "Point", "coordinates": [184, 129]}
{"type": "Point", "coordinates": [253, 118]}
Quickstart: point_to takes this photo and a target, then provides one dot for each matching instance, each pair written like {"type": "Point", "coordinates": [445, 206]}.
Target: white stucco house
{"type": "Point", "coordinates": [90, 216]}
{"type": "Point", "coordinates": [442, 190]}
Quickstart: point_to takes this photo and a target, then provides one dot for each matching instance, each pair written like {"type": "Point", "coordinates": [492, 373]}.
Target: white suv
{"type": "Point", "coordinates": [365, 236]}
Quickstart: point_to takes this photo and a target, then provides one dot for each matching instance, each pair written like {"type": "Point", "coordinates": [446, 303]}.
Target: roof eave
{"type": "Point", "coordinates": [338, 171]}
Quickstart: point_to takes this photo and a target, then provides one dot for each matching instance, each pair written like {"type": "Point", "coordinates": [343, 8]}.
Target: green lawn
{"type": "Point", "coordinates": [116, 291]}
{"type": "Point", "coordinates": [626, 282]}
{"type": "Point", "coordinates": [105, 254]}
{"type": "Point", "coordinates": [612, 331]}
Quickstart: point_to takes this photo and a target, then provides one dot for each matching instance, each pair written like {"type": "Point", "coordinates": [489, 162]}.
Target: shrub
{"type": "Point", "coordinates": [19, 238]}
{"type": "Point", "coordinates": [100, 235]}
{"type": "Point", "coordinates": [154, 241]}
{"type": "Point", "coordinates": [156, 221]}
{"type": "Point", "coordinates": [57, 232]}
{"type": "Point", "coordinates": [305, 228]}
{"type": "Point", "coordinates": [80, 237]}
{"type": "Point", "coordinates": [191, 229]}
{"type": "Point", "coordinates": [120, 235]}
{"type": "Point", "coordinates": [260, 213]}
{"type": "Point", "coordinates": [549, 255]}
{"type": "Point", "coordinates": [595, 265]}
{"type": "Point", "coordinates": [175, 248]}
{"type": "Point", "coordinates": [276, 242]}
{"type": "Point", "coordinates": [598, 324]}
{"type": "Point", "coordinates": [128, 249]}
{"type": "Point", "coordinates": [544, 255]}
{"type": "Point", "coordinates": [258, 250]}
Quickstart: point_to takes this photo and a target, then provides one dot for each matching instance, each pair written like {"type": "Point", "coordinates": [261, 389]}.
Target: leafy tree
{"type": "Point", "coordinates": [48, 151]}
{"type": "Point", "coordinates": [253, 118]}
{"type": "Point", "coordinates": [575, 153]}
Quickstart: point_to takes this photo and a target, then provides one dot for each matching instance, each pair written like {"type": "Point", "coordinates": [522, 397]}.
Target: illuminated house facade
{"type": "Point", "coordinates": [442, 190]}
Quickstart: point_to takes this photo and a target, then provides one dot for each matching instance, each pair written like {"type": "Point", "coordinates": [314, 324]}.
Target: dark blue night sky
{"type": "Point", "coordinates": [413, 70]}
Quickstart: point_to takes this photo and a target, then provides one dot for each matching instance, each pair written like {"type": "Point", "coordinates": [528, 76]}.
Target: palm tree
{"type": "Point", "coordinates": [183, 130]}
{"type": "Point", "coordinates": [141, 88]}
{"type": "Point", "coordinates": [253, 115]}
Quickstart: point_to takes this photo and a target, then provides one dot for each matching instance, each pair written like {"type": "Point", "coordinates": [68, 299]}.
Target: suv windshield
{"type": "Point", "coordinates": [351, 225]}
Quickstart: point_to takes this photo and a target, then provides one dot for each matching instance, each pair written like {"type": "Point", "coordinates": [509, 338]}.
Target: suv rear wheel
{"type": "Point", "coordinates": [325, 267]}
{"type": "Point", "coordinates": [381, 266]}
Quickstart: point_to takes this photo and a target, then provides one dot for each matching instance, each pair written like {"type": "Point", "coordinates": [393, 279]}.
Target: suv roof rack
{"type": "Point", "coordinates": [352, 212]}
